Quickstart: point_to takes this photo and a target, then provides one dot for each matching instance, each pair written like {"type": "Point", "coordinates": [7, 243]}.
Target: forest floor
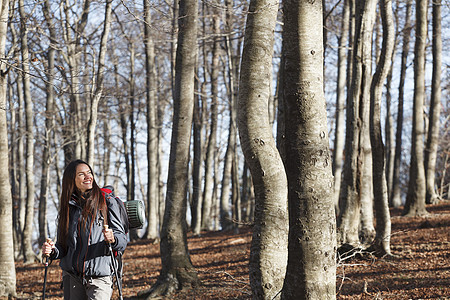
{"type": "Point", "coordinates": [418, 269]}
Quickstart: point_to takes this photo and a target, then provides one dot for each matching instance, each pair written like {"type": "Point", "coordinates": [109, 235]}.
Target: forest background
{"type": "Point", "coordinates": [96, 81]}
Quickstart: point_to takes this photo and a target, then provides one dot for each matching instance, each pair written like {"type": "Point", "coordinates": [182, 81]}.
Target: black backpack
{"type": "Point", "coordinates": [131, 212]}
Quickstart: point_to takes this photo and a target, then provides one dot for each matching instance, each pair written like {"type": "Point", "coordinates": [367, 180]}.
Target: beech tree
{"type": "Point", "coordinates": [152, 128]}
{"type": "Point", "coordinates": [357, 104]}
{"type": "Point", "coordinates": [395, 195]}
{"type": "Point", "coordinates": [435, 107]}
{"type": "Point", "coordinates": [311, 269]}
{"type": "Point", "coordinates": [177, 271]}
{"type": "Point", "coordinates": [268, 252]}
{"type": "Point", "coordinates": [415, 199]}
{"type": "Point", "coordinates": [29, 255]}
{"type": "Point", "coordinates": [383, 228]}
{"type": "Point", "coordinates": [8, 269]}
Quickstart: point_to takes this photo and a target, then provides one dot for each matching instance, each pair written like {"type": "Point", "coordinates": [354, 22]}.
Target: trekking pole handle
{"type": "Point", "coordinates": [49, 241]}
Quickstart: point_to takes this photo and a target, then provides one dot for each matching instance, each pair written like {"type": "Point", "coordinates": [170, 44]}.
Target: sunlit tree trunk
{"type": "Point", "coordinates": [268, 251]}
{"type": "Point", "coordinates": [8, 270]}
{"type": "Point", "coordinates": [311, 269]}
{"type": "Point", "coordinates": [98, 80]}
{"type": "Point", "coordinates": [383, 228]}
{"type": "Point", "coordinates": [340, 101]}
{"type": "Point", "coordinates": [415, 199]}
{"type": "Point", "coordinates": [208, 188]}
{"type": "Point", "coordinates": [49, 125]}
{"type": "Point", "coordinates": [152, 129]}
{"type": "Point", "coordinates": [395, 197]}
{"type": "Point", "coordinates": [358, 98]}
{"type": "Point", "coordinates": [435, 107]}
{"type": "Point", "coordinates": [29, 255]}
{"type": "Point", "coordinates": [177, 271]}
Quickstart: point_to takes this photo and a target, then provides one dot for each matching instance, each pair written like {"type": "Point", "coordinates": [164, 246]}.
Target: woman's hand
{"type": "Point", "coordinates": [47, 248]}
{"type": "Point", "coordinates": [109, 235]}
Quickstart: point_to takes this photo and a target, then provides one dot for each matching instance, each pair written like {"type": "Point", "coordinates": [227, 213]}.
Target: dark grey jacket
{"type": "Point", "coordinates": [87, 253]}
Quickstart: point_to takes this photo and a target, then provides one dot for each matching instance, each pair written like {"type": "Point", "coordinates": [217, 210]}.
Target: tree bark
{"type": "Point", "coordinates": [98, 80]}
{"type": "Point", "coordinates": [177, 271]}
{"type": "Point", "coordinates": [383, 228]}
{"type": "Point", "coordinates": [357, 101]}
{"type": "Point", "coordinates": [49, 125]}
{"type": "Point", "coordinates": [268, 251]}
{"type": "Point", "coordinates": [152, 129]}
{"type": "Point", "coordinates": [7, 270]}
{"type": "Point", "coordinates": [208, 188]}
{"type": "Point", "coordinates": [311, 269]}
{"type": "Point", "coordinates": [435, 107]}
{"type": "Point", "coordinates": [395, 197]}
{"type": "Point", "coordinates": [339, 137]}
{"type": "Point", "coordinates": [415, 199]}
{"type": "Point", "coordinates": [29, 255]}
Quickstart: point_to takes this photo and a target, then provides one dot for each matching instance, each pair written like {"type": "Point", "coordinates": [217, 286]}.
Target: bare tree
{"type": "Point", "coordinates": [98, 80]}
{"type": "Point", "coordinates": [177, 270]}
{"type": "Point", "coordinates": [311, 269]}
{"type": "Point", "coordinates": [435, 107]}
{"type": "Point", "coordinates": [357, 102]}
{"type": "Point", "coordinates": [8, 270]}
{"type": "Point", "coordinates": [340, 101]}
{"type": "Point", "coordinates": [29, 255]}
{"type": "Point", "coordinates": [268, 252]}
{"type": "Point", "coordinates": [49, 123]}
{"type": "Point", "coordinates": [415, 199]}
{"type": "Point", "coordinates": [395, 196]}
{"type": "Point", "coordinates": [152, 129]}
{"type": "Point", "coordinates": [383, 229]}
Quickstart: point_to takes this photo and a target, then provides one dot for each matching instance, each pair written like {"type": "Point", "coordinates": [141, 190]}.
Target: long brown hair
{"type": "Point", "coordinates": [94, 203]}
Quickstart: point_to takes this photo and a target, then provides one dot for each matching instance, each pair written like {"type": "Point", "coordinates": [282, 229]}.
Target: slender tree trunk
{"type": "Point", "coordinates": [212, 139]}
{"type": "Point", "coordinates": [74, 133]}
{"type": "Point", "coordinates": [49, 125]}
{"type": "Point", "coordinates": [152, 129]}
{"type": "Point", "coordinates": [311, 269]}
{"type": "Point", "coordinates": [415, 199]}
{"type": "Point", "coordinates": [98, 84]}
{"type": "Point", "coordinates": [435, 107]}
{"type": "Point", "coordinates": [339, 137]}
{"type": "Point", "coordinates": [383, 228]}
{"type": "Point", "coordinates": [177, 270]}
{"type": "Point", "coordinates": [29, 255]}
{"type": "Point", "coordinates": [268, 252]}
{"type": "Point", "coordinates": [358, 99]}
{"type": "Point", "coordinates": [196, 208]}
{"type": "Point", "coordinates": [395, 197]}
{"type": "Point", "coordinates": [8, 270]}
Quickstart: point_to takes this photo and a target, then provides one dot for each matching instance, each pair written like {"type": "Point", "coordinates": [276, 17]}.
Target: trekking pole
{"type": "Point", "coordinates": [113, 261]}
{"type": "Point", "coordinates": [46, 269]}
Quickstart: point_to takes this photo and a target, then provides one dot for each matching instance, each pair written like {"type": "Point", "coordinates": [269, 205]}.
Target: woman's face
{"type": "Point", "coordinates": [83, 178]}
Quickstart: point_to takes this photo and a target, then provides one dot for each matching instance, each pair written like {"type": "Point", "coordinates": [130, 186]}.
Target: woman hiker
{"type": "Point", "coordinates": [82, 239]}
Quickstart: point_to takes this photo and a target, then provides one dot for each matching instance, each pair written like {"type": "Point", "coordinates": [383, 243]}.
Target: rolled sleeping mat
{"type": "Point", "coordinates": [136, 213]}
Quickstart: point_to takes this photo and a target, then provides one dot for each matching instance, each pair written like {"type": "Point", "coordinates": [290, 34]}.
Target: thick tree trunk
{"type": "Point", "coordinates": [268, 251]}
{"type": "Point", "coordinates": [383, 228]}
{"type": "Point", "coordinates": [311, 269]}
{"type": "Point", "coordinates": [435, 107]}
{"type": "Point", "coordinates": [152, 129]}
{"type": "Point", "coordinates": [395, 197]}
{"type": "Point", "coordinates": [177, 271]}
{"type": "Point", "coordinates": [8, 270]}
{"type": "Point", "coordinates": [415, 199]}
